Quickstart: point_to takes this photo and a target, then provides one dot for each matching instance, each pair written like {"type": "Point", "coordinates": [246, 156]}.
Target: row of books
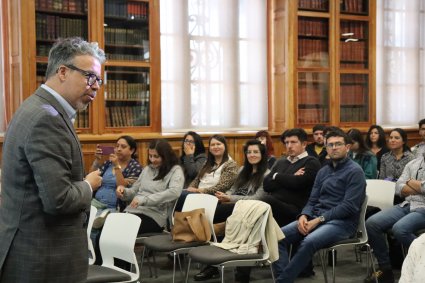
{"type": "Point", "coordinates": [313, 116]}
{"type": "Point", "coordinates": [354, 114]}
{"type": "Point", "coordinates": [50, 27]}
{"type": "Point", "coordinates": [127, 116]}
{"type": "Point", "coordinates": [313, 4]}
{"type": "Point", "coordinates": [353, 51]}
{"type": "Point", "coordinates": [354, 79]}
{"type": "Point", "coordinates": [126, 57]}
{"type": "Point", "coordinates": [72, 6]}
{"type": "Point", "coordinates": [312, 95]}
{"type": "Point", "coordinates": [121, 89]}
{"type": "Point", "coordinates": [125, 36]}
{"type": "Point", "coordinates": [354, 6]}
{"type": "Point", "coordinates": [313, 27]}
{"type": "Point", "coordinates": [358, 29]}
{"type": "Point", "coordinates": [354, 94]}
{"type": "Point", "coordinates": [131, 10]}
{"type": "Point", "coordinates": [82, 119]}
{"type": "Point", "coordinates": [313, 49]}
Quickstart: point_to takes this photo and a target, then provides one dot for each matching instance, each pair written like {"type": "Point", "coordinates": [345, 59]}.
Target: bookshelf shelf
{"type": "Point", "coordinates": [128, 31]}
{"type": "Point", "coordinates": [322, 63]}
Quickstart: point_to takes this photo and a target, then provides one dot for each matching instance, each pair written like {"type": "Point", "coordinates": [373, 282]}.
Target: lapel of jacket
{"type": "Point", "coordinates": [41, 92]}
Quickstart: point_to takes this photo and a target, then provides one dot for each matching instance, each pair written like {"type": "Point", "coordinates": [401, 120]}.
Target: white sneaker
{"type": "Point", "coordinates": [100, 220]}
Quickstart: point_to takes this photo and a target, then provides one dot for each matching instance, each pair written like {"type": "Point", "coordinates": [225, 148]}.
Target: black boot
{"type": "Point", "coordinates": [207, 273]}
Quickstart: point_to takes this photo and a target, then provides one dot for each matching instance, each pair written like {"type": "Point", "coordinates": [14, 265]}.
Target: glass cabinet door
{"type": "Point", "coordinates": [354, 44]}
{"type": "Point", "coordinates": [313, 97]}
{"type": "Point", "coordinates": [127, 97]}
{"type": "Point", "coordinates": [313, 42]}
{"type": "Point", "coordinates": [126, 26]}
{"type": "Point", "coordinates": [354, 98]}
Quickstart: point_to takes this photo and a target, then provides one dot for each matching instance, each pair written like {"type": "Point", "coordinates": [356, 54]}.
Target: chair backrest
{"type": "Point", "coordinates": [92, 254]}
{"type": "Point", "coordinates": [361, 229]}
{"type": "Point", "coordinates": [206, 201]}
{"type": "Point", "coordinates": [118, 239]}
{"type": "Point", "coordinates": [380, 193]}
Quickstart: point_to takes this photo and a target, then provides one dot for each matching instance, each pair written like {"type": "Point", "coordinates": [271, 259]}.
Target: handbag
{"type": "Point", "coordinates": [191, 226]}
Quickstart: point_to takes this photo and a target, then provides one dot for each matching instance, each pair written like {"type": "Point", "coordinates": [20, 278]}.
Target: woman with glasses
{"type": "Point", "coordinates": [361, 154]}
{"type": "Point", "coordinates": [193, 156]}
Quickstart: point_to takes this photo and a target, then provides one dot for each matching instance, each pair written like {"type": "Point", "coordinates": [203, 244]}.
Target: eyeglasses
{"type": "Point", "coordinates": [252, 152]}
{"type": "Point", "coordinates": [336, 145]}
{"type": "Point", "coordinates": [91, 78]}
{"type": "Point", "coordinates": [189, 141]}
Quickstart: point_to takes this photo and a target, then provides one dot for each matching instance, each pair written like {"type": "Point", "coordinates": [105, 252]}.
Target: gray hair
{"type": "Point", "coordinates": [65, 50]}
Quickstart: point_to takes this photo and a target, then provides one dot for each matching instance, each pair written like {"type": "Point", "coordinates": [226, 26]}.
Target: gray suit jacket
{"type": "Point", "coordinates": [44, 197]}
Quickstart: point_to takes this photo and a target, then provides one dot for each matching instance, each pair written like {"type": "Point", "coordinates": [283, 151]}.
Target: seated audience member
{"type": "Point", "coordinates": [193, 156]}
{"type": "Point", "coordinates": [121, 169]}
{"type": "Point", "coordinates": [404, 219]}
{"type": "Point", "coordinates": [414, 263]}
{"type": "Point", "coordinates": [317, 148]}
{"type": "Point", "coordinates": [265, 138]}
{"type": "Point", "coordinates": [217, 175]}
{"type": "Point", "coordinates": [393, 162]}
{"type": "Point", "coordinates": [376, 142]}
{"type": "Point", "coordinates": [331, 213]}
{"type": "Point", "coordinates": [362, 155]}
{"type": "Point", "coordinates": [248, 185]}
{"type": "Point", "coordinates": [153, 195]}
{"type": "Point", "coordinates": [419, 149]}
{"type": "Point", "coordinates": [291, 178]}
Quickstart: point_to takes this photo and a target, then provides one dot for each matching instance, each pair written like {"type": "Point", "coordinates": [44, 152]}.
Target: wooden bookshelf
{"type": "Point", "coordinates": [128, 31]}
{"type": "Point", "coordinates": [321, 63]}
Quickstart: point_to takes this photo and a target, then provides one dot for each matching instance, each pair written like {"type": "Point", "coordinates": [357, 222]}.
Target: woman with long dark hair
{"type": "Point", "coordinates": [377, 143]}
{"type": "Point", "coordinates": [154, 193]}
{"type": "Point", "coordinates": [193, 156]}
{"type": "Point", "coordinates": [361, 154]}
{"type": "Point", "coordinates": [218, 173]}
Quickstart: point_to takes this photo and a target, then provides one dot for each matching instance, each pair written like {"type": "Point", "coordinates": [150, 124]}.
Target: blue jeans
{"type": "Point", "coordinates": [323, 236]}
{"type": "Point", "coordinates": [403, 222]}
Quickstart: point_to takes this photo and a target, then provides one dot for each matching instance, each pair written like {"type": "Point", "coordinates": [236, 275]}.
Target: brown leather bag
{"type": "Point", "coordinates": [191, 226]}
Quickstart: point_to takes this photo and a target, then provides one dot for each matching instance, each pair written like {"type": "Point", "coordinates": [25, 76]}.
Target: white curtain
{"type": "Point", "coordinates": [213, 65]}
{"type": "Point", "coordinates": [400, 96]}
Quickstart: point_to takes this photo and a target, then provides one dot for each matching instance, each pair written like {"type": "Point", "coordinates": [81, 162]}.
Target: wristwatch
{"type": "Point", "coordinates": [117, 167]}
{"type": "Point", "coordinates": [322, 219]}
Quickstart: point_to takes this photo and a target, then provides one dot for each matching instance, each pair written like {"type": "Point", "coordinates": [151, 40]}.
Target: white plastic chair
{"type": "Point", "coordinates": [117, 242]}
{"type": "Point", "coordinates": [92, 254]}
{"type": "Point", "coordinates": [164, 243]}
{"type": "Point", "coordinates": [216, 256]}
{"type": "Point", "coordinates": [359, 239]}
{"type": "Point", "coordinates": [380, 193]}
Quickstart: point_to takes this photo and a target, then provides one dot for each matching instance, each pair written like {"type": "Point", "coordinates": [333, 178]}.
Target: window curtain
{"type": "Point", "coordinates": [400, 96]}
{"type": "Point", "coordinates": [213, 65]}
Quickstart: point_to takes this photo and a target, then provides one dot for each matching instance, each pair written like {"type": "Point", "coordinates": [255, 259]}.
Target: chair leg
{"type": "Point", "coordinates": [154, 264]}
{"type": "Point", "coordinates": [142, 261]}
{"type": "Point", "coordinates": [323, 260]}
{"type": "Point", "coordinates": [187, 270]}
{"type": "Point", "coordinates": [333, 265]}
{"type": "Point", "coordinates": [271, 270]}
{"type": "Point", "coordinates": [174, 265]}
{"type": "Point", "coordinates": [222, 273]}
{"type": "Point", "coordinates": [370, 256]}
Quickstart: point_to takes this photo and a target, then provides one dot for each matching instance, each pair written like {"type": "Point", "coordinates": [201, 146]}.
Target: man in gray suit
{"type": "Point", "coordinates": [44, 194]}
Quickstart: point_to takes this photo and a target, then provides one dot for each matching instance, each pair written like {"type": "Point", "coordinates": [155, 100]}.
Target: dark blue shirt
{"type": "Point", "coordinates": [338, 193]}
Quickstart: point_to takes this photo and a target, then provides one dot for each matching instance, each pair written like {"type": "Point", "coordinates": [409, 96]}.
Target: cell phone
{"type": "Point", "coordinates": [106, 149]}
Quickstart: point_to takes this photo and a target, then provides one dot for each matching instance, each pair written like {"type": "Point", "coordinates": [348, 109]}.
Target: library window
{"type": "Point", "coordinates": [213, 72]}
{"type": "Point", "coordinates": [400, 49]}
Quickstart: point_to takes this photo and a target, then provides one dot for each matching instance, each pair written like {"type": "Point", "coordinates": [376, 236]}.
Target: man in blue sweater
{"type": "Point", "coordinates": [331, 213]}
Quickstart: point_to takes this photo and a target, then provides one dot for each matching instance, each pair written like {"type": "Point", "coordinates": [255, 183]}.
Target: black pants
{"type": "Point", "coordinates": [148, 225]}
{"type": "Point", "coordinates": [284, 213]}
